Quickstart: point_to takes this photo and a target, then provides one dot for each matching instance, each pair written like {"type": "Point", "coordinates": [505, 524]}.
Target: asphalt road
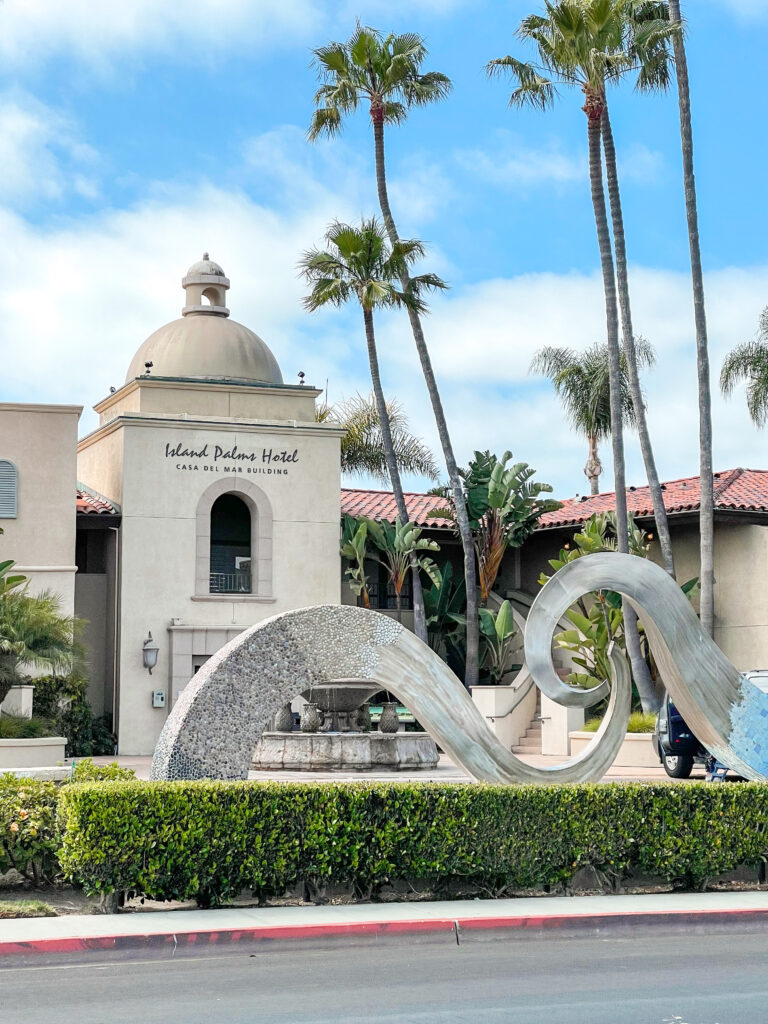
{"type": "Point", "coordinates": [649, 976]}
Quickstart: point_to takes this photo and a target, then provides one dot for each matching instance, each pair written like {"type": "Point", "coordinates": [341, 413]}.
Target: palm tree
{"type": "Point", "coordinates": [647, 29]}
{"type": "Point", "coordinates": [585, 44]}
{"type": "Point", "coordinates": [706, 480]}
{"type": "Point", "coordinates": [749, 362]}
{"type": "Point", "coordinates": [362, 446]}
{"type": "Point", "coordinates": [33, 633]}
{"type": "Point", "coordinates": [385, 72]}
{"type": "Point", "coordinates": [359, 264]}
{"type": "Point", "coordinates": [581, 380]}
{"type": "Point", "coordinates": [580, 44]}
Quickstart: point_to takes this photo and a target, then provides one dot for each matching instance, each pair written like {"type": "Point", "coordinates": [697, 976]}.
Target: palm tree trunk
{"type": "Point", "coordinates": [462, 519]}
{"type": "Point", "coordinates": [707, 500]}
{"type": "Point", "coordinates": [617, 217]}
{"type": "Point", "coordinates": [419, 616]}
{"type": "Point", "coordinates": [594, 109]}
{"type": "Point", "coordinates": [594, 467]}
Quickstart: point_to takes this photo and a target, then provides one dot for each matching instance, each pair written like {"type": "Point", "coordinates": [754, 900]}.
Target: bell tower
{"type": "Point", "coordinates": [206, 287]}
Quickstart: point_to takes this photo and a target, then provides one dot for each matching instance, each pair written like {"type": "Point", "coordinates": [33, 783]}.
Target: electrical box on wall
{"type": "Point", "coordinates": [158, 698]}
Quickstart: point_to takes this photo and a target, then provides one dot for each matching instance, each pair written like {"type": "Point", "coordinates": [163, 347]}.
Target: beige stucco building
{"type": "Point", "coordinates": [38, 474]}
{"type": "Point", "coordinates": [199, 497]}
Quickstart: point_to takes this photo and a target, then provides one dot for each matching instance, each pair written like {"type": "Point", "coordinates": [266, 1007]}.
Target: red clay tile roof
{"type": "Point", "coordinates": [381, 505]}
{"type": "Point", "coordinates": [744, 490]}
{"type": "Point", "coordinates": [89, 503]}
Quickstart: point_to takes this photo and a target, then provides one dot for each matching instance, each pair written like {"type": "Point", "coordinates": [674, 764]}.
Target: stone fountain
{"type": "Point", "coordinates": [336, 735]}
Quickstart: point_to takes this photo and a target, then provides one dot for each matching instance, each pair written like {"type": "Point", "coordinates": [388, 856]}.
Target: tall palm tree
{"type": "Point", "coordinates": [707, 507]}
{"type": "Point", "coordinates": [749, 362]}
{"type": "Point", "coordinates": [362, 446]}
{"type": "Point", "coordinates": [385, 72]}
{"type": "Point", "coordinates": [579, 43]}
{"type": "Point", "coordinates": [647, 34]}
{"type": "Point", "coordinates": [359, 264]}
{"type": "Point", "coordinates": [581, 380]}
{"type": "Point", "coordinates": [585, 44]}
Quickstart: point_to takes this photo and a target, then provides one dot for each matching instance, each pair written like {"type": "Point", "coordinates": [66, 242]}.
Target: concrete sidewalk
{"type": "Point", "coordinates": [168, 931]}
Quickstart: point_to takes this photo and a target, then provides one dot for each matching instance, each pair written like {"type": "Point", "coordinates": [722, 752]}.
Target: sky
{"type": "Point", "coordinates": [135, 136]}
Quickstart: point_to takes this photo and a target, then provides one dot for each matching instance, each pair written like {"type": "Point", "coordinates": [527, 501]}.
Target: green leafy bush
{"type": "Point", "coordinates": [211, 840]}
{"type": "Point", "coordinates": [64, 700]}
{"type": "Point", "coordinates": [639, 721]}
{"type": "Point", "coordinates": [86, 771]}
{"type": "Point", "coordinates": [14, 727]}
{"type": "Point", "coordinates": [29, 839]}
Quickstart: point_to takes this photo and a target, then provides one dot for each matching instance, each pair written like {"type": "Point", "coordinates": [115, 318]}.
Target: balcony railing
{"type": "Point", "coordinates": [230, 583]}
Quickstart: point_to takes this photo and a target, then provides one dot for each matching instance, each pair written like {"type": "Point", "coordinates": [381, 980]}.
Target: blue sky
{"type": "Point", "coordinates": [132, 138]}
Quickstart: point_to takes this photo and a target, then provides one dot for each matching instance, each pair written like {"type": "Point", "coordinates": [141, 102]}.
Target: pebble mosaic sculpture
{"type": "Point", "coordinates": [212, 730]}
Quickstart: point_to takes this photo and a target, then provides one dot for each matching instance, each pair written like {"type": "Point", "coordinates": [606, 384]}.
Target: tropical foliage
{"type": "Point", "coordinates": [497, 631]}
{"type": "Point", "coordinates": [396, 547]}
{"type": "Point", "coordinates": [504, 505]}
{"type": "Point", "coordinates": [445, 603]}
{"type": "Point", "coordinates": [748, 363]}
{"type": "Point", "coordinates": [362, 446]}
{"type": "Point", "coordinates": [581, 380]}
{"type": "Point", "coordinates": [354, 548]}
{"type": "Point", "coordinates": [8, 579]}
{"type": "Point", "coordinates": [34, 635]}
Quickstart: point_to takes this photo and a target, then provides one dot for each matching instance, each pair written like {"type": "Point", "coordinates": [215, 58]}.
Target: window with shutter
{"type": "Point", "coordinates": [9, 487]}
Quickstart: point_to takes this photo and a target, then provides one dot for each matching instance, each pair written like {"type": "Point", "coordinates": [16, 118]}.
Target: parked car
{"type": "Point", "coordinates": [676, 746]}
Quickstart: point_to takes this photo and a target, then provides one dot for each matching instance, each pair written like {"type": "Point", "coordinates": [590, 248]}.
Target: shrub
{"type": "Point", "coordinates": [639, 721]}
{"type": "Point", "coordinates": [86, 771]}
{"type": "Point", "coordinates": [14, 727]}
{"type": "Point", "coordinates": [211, 840]}
{"type": "Point", "coordinates": [29, 839]}
{"type": "Point", "coordinates": [63, 699]}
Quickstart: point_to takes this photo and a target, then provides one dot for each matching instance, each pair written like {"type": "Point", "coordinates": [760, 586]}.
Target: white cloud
{"type": "Point", "coordinates": [482, 339]}
{"type": "Point", "coordinates": [84, 296]}
{"type": "Point", "coordinates": [41, 152]}
{"type": "Point", "coordinates": [509, 162]}
{"type": "Point", "coordinates": [99, 32]}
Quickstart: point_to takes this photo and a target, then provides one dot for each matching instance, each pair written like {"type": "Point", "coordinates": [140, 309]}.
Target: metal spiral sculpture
{"type": "Point", "coordinates": [213, 729]}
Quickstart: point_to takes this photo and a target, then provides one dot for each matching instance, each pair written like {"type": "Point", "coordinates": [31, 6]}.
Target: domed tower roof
{"type": "Point", "coordinates": [204, 344]}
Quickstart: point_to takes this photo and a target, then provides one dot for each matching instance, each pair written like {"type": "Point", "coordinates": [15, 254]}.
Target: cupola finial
{"type": "Point", "coordinates": [206, 286]}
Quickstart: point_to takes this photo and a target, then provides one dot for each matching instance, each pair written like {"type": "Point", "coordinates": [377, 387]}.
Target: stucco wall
{"type": "Point", "coordinates": [41, 441]}
{"type": "Point", "coordinates": [155, 396]}
{"type": "Point", "coordinates": [161, 492]}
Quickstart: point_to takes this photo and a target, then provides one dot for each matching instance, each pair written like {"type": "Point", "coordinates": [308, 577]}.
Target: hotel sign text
{"type": "Point", "coordinates": [215, 458]}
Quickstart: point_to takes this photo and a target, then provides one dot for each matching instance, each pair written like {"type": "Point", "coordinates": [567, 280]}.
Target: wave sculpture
{"type": "Point", "coordinates": [213, 728]}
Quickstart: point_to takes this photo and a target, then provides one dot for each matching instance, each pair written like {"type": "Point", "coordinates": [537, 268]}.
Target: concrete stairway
{"type": "Point", "coordinates": [530, 743]}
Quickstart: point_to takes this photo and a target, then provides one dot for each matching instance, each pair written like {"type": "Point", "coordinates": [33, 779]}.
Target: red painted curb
{"type": "Point", "coordinates": [155, 940]}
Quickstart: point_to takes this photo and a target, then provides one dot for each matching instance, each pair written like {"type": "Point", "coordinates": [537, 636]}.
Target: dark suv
{"type": "Point", "coordinates": [677, 747]}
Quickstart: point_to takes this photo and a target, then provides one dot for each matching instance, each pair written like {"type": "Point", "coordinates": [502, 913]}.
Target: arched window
{"type": "Point", "coordinates": [234, 537]}
{"type": "Point", "coordinates": [9, 490]}
{"type": "Point", "coordinates": [230, 546]}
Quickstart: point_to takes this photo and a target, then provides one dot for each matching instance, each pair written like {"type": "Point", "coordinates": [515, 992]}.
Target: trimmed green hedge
{"type": "Point", "coordinates": [210, 840]}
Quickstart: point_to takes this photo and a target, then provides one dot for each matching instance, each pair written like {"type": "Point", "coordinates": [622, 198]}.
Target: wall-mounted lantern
{"type": "Point", "coordinates": [149, 653]}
